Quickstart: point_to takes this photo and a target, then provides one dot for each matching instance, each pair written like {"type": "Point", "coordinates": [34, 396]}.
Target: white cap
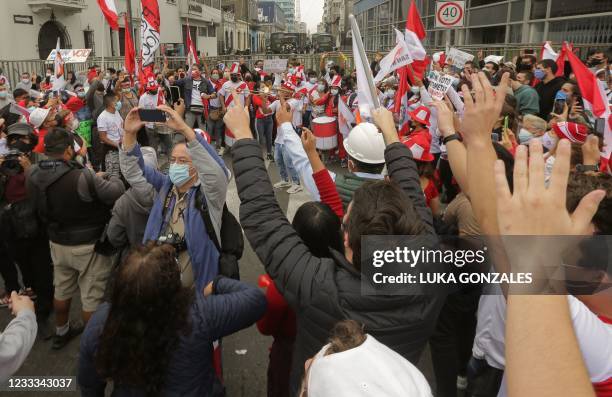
{"type": "Point", "coordinates": [364, 143]}
{"type": "Point", "coordinates": [371, 369]}
{"type": "Point", "coordinates": [38, 117]}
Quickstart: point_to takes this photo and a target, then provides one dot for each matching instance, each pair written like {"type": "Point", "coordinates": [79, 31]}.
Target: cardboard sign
{"type": "Point", "coordinates": [458, 58]}
{"type": "Point", "coordinates": [275, 65]}
{"type": "Point", "coordinates": [438, 87]}
{"type": "Point", "coordinates": [71, 55]}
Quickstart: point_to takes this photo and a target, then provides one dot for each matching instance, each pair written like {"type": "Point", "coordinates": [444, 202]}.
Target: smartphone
{"type": "Point", "coordinates": [558, 106]}
{"type": "Point", "coordinates": [600, 126]}
{"type": "Point", "coordinates": [175, 94]}
{"type": "Point", "coordinates": [152, 115]}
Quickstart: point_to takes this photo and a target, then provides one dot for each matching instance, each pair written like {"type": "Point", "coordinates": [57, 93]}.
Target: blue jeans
{"type": "Point", "coordinates": [284, 163]}
{"type": "Point", "coordinates": [216, 131]}
{"type": "Point", "coordinates": [264, 132]}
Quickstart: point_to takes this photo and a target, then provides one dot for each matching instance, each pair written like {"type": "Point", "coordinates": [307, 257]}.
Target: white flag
{"type": "Point", "coordinates": [364, 96]}
{"type": "Point", "coordinates": [398, 57]}
{"type": "Point", "coordinates": [548, 52]}
{"type": "Point", "coordinates": [57, 80]}
{"type": "Point", "coordinates": [345, 118]}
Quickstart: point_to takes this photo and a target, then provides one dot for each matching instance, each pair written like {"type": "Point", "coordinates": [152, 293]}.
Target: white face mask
{"type": "Point", "coordinates": [414, 89]}
{"type": "Point", "coordinates": [313, 80]}
{"type": "Point", "coordinates": [334, 91]}
{"type": "Point", "coordinates": [320, 88]}
{"type": "Point", "coordinates": [390, 93]}
{"type": "Point", "coordinates": [548, 142]}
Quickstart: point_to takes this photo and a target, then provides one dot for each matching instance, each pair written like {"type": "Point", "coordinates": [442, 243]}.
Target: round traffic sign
{"type": "Point", "coordinates": [449, 13]}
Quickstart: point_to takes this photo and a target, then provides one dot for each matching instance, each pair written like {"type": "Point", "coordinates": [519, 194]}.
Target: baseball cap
{"type": "Point", "coordinates": [57, 140]}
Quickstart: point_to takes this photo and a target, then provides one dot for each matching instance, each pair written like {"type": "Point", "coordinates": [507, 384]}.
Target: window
{"type": "Point", "coordinates": [212, 31]}
{"type": "Point", "coordinates": [202, 31]}
{"type": "Point", "coordinates": [560, 8]}
{"type": "Point", "coordinates": [538, 9]}
{"type": "Point", "coordinates": [516, 33]}
{"type": "Point", "coordinates": [476, 3]}
{"type": "Point", "coordinates": [589, 30]}
{"type": "Point", "coordinates": [88, 36]}
{"type": "Point", "coordinates": [371, 17]}
{"type": "Point", "coordinates": [488, 35]}
{"type": "Point", "coordinates": [517, 9]}
{"type": "Point", "coordinates": [122, 41]}
{"type": "Point", "coordinates": [489, 15]}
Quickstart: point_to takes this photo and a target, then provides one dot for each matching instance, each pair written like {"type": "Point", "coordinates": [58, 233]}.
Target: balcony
{"type": "Point", "coordinates": [67, 6]}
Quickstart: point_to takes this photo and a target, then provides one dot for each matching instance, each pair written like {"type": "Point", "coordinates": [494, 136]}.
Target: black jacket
{"type": "Point", "coordinates": [323, 291]}
{"type": "Point", "coordinates": [547, 93]}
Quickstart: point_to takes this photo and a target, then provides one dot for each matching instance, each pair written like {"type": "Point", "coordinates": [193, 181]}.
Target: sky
{"type": "Point", "coordinates": [312, 13]}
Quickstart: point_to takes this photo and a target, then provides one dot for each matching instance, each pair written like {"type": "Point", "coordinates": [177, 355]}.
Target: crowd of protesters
{"type": "Point", "coordinates": [130, 213]}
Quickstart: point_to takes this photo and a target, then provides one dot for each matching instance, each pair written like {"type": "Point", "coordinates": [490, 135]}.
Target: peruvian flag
{"type": "Point", "coordinates": [192, 56]}
{"type": "Point", "coordinates": [414, 33]}
{"type": "Point", "coordinates": [130, 51]}
{"type": "Point", "coordinates": [110, 13]}
{"type": "Point", "coordinates": [345, 118]}
{"type": "Point", "coordinates": [149, 33]}
{"type": "Point", "coordinates": [58, 69]}
{"type": "Point", "coordinates": [548, 52]}
{"type": "Point", "coordinates": [593, 95]}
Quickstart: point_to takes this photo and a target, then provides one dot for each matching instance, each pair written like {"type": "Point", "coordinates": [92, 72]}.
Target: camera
{"type": "Point", "coordinates": [174, 240]}
{"type": "Point", "coordinates": [10, 164]}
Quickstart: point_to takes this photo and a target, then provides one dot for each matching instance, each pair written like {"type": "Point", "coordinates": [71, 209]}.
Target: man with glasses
{"type": "Point", "coordinates": [189, 200]}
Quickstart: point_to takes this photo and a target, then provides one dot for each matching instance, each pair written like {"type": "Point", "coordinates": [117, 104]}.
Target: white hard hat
{"type": "Point", "coordinates": [364, 143]}
{"type": "Point", "coordinates": [38, 117]}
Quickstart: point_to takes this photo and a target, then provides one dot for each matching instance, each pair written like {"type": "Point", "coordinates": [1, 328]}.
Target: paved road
{"type": "Point", "coordinates": [245, 375]}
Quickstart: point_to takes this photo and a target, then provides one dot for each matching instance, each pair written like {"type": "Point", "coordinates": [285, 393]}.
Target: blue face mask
{"type": "Point", "coordinates": [118, 106]}
{"type": "Point", "coordinates": [539, 74]}
{"type": "Point", "coordinates": [3, 94]}
{"type": "Point", "coordinates": [179, 174]}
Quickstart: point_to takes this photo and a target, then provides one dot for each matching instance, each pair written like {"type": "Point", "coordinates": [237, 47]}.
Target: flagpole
{"type": "Point", "coordinates": [103, 40]}
{"type": "Point", "coordinates": [366, 66]}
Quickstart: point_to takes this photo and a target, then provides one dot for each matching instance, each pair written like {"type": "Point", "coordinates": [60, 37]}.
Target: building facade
{"type": "Point", "coordinates": [271, 19]}
{"type": "Point", "coordinates": [493, 22]}
{"type": "Point", "coordinates": [35, 25]}
{"type": "Point", "coordinates": [335, 19]}
{"type": "Point", "coordinates": [288, 8]}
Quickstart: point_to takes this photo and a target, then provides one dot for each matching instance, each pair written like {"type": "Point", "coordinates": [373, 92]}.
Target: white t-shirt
{"type": "Point", "coordinates": [593, 334]}
{"type": "Point", "coordinates": [196, 95]}
{"type": "Point", "coordinates": [240, 86]}
{"type": "Point", "coordinates": [309, 86]}
{"type": "Point", "coordinates": [112, 124]}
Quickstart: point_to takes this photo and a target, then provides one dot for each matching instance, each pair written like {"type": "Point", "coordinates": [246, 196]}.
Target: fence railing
{"type": "Point", "coordinates": [13, 69]}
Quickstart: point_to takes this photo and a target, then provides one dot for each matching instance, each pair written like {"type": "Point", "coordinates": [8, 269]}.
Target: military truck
{"type": "Point", "coordinates": [322, 42]}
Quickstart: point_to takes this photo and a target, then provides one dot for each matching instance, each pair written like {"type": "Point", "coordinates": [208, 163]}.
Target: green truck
{"type": "Point", "coordinates": [288, 43]}
{"type": "Point", "coordinates": [322, 42]}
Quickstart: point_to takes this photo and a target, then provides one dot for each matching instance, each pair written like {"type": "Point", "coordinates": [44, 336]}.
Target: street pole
{"type": "Point", "coordinates": [103, 40]}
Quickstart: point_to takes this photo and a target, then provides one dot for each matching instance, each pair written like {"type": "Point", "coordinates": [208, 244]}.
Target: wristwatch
{"type": "Point", "coordinates": [452, 137]}
{"type": "Point", "coordinates": [586, 168]}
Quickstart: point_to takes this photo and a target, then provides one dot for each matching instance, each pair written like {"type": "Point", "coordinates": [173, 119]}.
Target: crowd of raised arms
{"type": "Point", "coordinates": [113, 189]}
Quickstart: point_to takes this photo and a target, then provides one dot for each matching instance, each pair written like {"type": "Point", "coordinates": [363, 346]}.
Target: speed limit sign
{"type": "Point", "coordinates": [449, 14]}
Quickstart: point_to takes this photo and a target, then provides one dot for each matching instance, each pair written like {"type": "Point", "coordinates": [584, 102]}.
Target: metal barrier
{"type": "Point", "coordinates": [13, 69]}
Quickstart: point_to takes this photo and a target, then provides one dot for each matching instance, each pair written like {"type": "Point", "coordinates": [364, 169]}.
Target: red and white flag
{"type": "Point", "coordinates": [130, 51]}
{"type": "Point", "coordinates": [345, 118]}
{"type": "Point", "coordinates": [398, 57]}
{"type": "Point", "coordinates": [192, 55]}
{"type": "Point", "coordinates": [110, 13]}
{"type": "Point", "coordinates": [414, 33]}
{"type": "Point", "coordinates": [593, 96]}
{"type": "Point", "coordinates": [149, 33]}
{"type": "Point", "coordinates": [547, 52]}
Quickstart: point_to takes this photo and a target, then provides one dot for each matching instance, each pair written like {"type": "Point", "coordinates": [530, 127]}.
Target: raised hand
{"type": "Point", "coordinates": [309, 141]}
{"type": "Point", "coordinates": [18, 303]}
{"type": "Point", "coordinates": [590, 151]}
{"type": "Point", "coordinates": [446, 123]}
{"type": "Point", "coordinates": [482, 111]}
{"type": "Point", "coordinates": [383, 118]}
{"type": "Point", "coordinates": [180, 107]}
{"type": "Point", "coordinates": [284, 114]}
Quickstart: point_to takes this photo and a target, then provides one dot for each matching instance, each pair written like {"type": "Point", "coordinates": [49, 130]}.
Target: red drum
{"type": "Point", "coordinates": [229, 138]}
{"type": "Point", "coordinates": [326, 130]}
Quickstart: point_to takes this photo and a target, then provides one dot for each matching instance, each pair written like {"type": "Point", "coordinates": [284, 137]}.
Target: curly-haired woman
{"type": "Point", "coordinates": [156, 337]}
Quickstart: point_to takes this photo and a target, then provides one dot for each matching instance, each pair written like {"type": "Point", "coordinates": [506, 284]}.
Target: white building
{"type": "Point", "coordinates": [30, 28]}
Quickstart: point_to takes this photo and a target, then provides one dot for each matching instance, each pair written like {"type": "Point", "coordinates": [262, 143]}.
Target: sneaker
{"type": "Point", "coordinates": [60, 341]}
{"type": "Point", "coordinates": [294, 189]}
{"type": "Point", "coordinates": [281, 184]}
{"type": "Point", "coordinates": [462, 382]}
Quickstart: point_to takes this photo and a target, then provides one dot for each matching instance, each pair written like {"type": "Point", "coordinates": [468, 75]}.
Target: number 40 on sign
{"type": "Point", "coordinates": [449, 14]}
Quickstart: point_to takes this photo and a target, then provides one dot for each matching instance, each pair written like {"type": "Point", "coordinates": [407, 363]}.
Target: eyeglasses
{"type": "Point", "coordinates": [179, 160]}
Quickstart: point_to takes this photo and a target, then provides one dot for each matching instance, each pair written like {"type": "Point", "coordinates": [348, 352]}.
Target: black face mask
{"type": "Point", "coordinates": [234, 79]}
{"type": "Point", "coordinates": [331, 75]}
{"type": "Point", "coordinates": [595, 62]}
{"type": "Point", "coordinates": [21, 146]}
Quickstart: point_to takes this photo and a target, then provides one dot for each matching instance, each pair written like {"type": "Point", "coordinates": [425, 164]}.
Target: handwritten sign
{"type": "Point", "coordinates": [439, 85]}
{"type": "Point", "coordinates": [71, 55]}
{"type": "Point", "coordinates": [458, 58]}
{"type": "Point", "coordinates": [275, 65]}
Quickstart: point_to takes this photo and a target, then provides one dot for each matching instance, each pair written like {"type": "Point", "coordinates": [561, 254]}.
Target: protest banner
{"type": "Point", "coordinates": [439, 85]}
{"type": "Point", "coordinates": [70, 55]}
{"type": "Point", "coordinates": [275, 65]}
{"type": "Point", "coordinates": [458, 58]}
